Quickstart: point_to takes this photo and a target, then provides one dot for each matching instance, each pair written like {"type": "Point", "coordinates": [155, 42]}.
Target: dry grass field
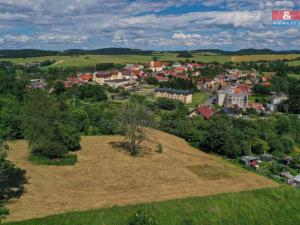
{"type": "Point", "coordinates": [106, 176]}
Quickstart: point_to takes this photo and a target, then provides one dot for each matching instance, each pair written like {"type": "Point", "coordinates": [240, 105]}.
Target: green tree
{"type": "Point", "coordinates": [70, 137]}
{"type": "Point", "coordinates": [79, 119]}
{"type": "Point", "coordinates": [59, 87]}
{"type": "Point", "coordinates": [136, 120]}
{"type": "Point", "coordinates": [40, 124]}
{"type": "Point", "coordinates": [12, 181]}
{"type": "Point", "coordinates": [10, 126]}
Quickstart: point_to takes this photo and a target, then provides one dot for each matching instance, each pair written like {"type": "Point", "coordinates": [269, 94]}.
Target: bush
{"type": "Point", "coordinates": [49, 148]}
{"type": "Point", "coordinates": [142, 218]}
{"type": "Point", "coordinates": [166, 104]}
{"type": "Point", "coordinates": [159, 148]}
{"type": "Point", "coordinates": [69, 160]}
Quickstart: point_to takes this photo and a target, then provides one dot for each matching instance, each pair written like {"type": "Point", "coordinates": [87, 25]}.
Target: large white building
{"type": "Point", "coordinates": [232, 97]}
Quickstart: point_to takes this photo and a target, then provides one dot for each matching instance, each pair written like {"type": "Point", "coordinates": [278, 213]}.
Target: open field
{"type": "Point", "coordinates": [105, 176]}
{"type": "Point", "coordinates": [296, 76]}
{"type": "Point", "coordinates": [92, 60]}
{"type": "Point", "coordinates": [294, 63]}
{"type": "Point", "coordinates": [263, 57]}
{"type": "Point", "coordinates": [276, 206]}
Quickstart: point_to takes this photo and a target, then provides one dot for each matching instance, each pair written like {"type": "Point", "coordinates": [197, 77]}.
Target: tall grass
{"type": "Point", "coordinates": [279, 206]}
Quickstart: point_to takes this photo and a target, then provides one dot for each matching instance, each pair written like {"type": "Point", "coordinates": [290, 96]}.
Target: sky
{"type": "Point", "coordinates": [145, 24]}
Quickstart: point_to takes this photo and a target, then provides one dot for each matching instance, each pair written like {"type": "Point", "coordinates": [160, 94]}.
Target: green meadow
{"type": "Point", "coordinates": [278, 206]}
{"type": "Point", "coordinates": [92, 60]}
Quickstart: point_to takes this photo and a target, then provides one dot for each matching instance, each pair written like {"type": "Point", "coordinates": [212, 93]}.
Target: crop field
{"type": "Point", "coordinates": [107, 176]}
{"type": "Point", "coordinates": [263, 57]}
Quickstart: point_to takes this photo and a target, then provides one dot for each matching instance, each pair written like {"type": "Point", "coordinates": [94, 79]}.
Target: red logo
{"type": "Point", "coordinates": [285, 15]}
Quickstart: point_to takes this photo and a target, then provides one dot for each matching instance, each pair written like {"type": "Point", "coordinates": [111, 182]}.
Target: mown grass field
{"type": "Point", "coordinates": [106, 176]}
{"type": "Point", "coordinates": [278, 206]}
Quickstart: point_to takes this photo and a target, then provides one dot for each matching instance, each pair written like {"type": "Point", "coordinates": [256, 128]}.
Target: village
{"type": "Point", "coordinates": [228, 93]}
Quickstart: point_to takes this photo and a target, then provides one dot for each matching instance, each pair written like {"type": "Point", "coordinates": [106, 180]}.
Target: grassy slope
{"type": "Point", "coordinates": [264, 207]}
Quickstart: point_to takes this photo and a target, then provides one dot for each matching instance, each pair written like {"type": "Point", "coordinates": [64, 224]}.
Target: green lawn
{"type": "Point", "coordinates": [262, 98]}
{"type": "Point", "coordinates": [294, 63]}
{"type": "Point", "coordinates": [199, 98]}
{"type": "Point", "coordinates": [296, 76]}
{"type": "Point", "coordinates": [279, 206]}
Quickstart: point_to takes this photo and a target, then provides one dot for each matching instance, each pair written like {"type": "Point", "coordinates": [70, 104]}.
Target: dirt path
{"type": "Point", "coordinates": [105, 177]}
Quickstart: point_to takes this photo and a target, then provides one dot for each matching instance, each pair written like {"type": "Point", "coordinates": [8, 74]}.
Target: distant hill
{"type": "Point", "coordinates": [22, 53]}
{"type": "Point", "coordinates": [108, 51]}
{"type": "Point", "coordinates": [26, 53]}
{"type": "Point", "coordinates": [249, 51]}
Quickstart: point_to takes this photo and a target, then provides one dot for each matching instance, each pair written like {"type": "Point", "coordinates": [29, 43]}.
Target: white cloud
{"type": "Point", "coordinates": [62, 38]}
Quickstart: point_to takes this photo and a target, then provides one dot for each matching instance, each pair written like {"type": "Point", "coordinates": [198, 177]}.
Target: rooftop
{"type": "Point", "coordinates": [171, 90]}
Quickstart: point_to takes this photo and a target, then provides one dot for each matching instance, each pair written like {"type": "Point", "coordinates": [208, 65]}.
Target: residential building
{"type": "Point", "coordinates": [205, 111]}
{"type": "Point", "coordinates": [157, 66]}
{"type": "Point", "coordinates": [85, 77]}
{"type": "Point", "coordinates": [118, 82]}
{"type": "Point", "coordinates": [102, 76]}
{"type": "Point", "coordinates": [38, 84]}
{"type": "Point", "coordinates": [232, 97]}
{"type": "Point", "coordinates": [184, 96]}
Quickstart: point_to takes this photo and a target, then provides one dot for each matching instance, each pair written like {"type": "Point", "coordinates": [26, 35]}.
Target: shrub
{"type": "Point", "coordinates": [159, 148]}
{"type": "Point", "coordinates": [166, 104]}
{"type": "Point", "coordinates": [142, 218]}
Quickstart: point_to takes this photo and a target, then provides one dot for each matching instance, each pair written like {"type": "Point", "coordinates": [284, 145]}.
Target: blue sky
{"type": "Point", "coordinates": [145, 24]}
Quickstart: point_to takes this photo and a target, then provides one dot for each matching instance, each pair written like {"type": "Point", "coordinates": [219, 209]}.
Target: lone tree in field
{"type": "Point", "coordinates": [12, 181]}
{"type": "Point", "coordinates": [136, 119]}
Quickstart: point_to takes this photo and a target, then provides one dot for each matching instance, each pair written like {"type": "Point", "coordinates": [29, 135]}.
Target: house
{"type": "Point", "coordinates": [133, 67]}
{"type": "Point", "coordinates": [71, 81]}
{"type": "Point", "coordinates": [232, 97]}
{"type": "Point", "coordinates": [161, 77]}
{"type": "Point", "coordinates": [205, 111]}
{"type": "Point", "coordinates": [250, 161]}
{"type": "Point", "coordinates": [296, 181]}
{"type": "Point", "coordinates": [184, 96]}
{"type": "Point", "coordinates": [256, 106]}
{"type": "Point", "coordinates": [85, 77]}
{"type": "Point", "coordinates": [278, 98]}
{"type": "Point", "coordinates": [117, 82]}
{"type": "Point", "coordinates": [180, 69]}
{"type": "Point", "coordinates": [157, 66]}
{"type": "Point", "coordinates": [102, 76]}
{"type": "Point", "coordinates": [38, 84]}
{"type": "Point", "coordinates": [287, 176]}
{"type": "Point", "coordinates": [267, 157]}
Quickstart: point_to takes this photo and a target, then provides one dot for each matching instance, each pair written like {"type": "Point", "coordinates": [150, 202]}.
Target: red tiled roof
{"type": "Point", "coordinates": [86, 77]}
{"type": "Point", "coordinates": [205, 111]}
